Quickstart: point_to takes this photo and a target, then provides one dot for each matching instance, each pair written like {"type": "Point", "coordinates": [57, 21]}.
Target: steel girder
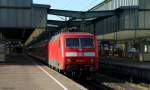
{"type": "Point", "coordinates": [81, 14]}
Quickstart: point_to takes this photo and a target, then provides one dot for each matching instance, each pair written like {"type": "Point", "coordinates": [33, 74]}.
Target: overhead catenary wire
{"type": "Point", "coordinates": [62, 17]}
{"type": "Point", "coordinates": [90, 4]}
{"type": "Point", "coordinates": [66, 5]}
{"type": "Point", "coordinates": [69, 2]}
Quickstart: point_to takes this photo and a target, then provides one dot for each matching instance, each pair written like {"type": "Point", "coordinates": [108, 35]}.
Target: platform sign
{"type": "Point", "coordinates": [2, 51]}
{"type": "Point", "coordinates": [105, 44]}
{"type": "Point", "coordinates": [146, 55]}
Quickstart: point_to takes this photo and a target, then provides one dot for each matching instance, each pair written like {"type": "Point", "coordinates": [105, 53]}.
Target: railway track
{"type": "Point", "coordinates": [98, 86]}
{"type": "Point", "coordinates": [127, 70]}
{"type": "Point", "coordinates": [118, 84]}
{"type": "Point", "coordinates": [93, 85]}
{"type": "Point", "coordinates": [136, 76]}
{"type": "Point", "coordinates": [102, 82]}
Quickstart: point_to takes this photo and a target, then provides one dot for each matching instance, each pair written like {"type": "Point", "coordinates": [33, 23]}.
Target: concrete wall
{"type": "Point", "coordinates": [39, 17]}
{"type": "Point", "coordinates": [114, 4]}
{"type": "Point", "coordinates": [15, 3]}
{"type": "Point", "coordinates": [132, 22]}
{"type": "Point", "coordinates": [127, 25]}
{"type": "Point", "coordinates": [104, 26]}
{"type": "Point", "coordinates": [144, 4]}
{"type": "Point", "coordinates": [144, 20]}
{"type": "Point", "coordinates": [23, 18]}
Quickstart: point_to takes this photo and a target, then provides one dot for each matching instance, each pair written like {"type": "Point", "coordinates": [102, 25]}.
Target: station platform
{"type": "Point", "coordinates": [25, 73]}
{"type": "Point", "coordinates": [126, 62]}
{"type": "Point", "coordinates": [126, 68]}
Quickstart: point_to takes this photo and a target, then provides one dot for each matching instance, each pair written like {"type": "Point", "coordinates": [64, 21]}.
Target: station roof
{"type": "Point", "coordinates": [16, 34]}
{"type": "Point", "coordinates": [20, 33]}
{"type": "Point", "coordinates": [41, 5]}
{"type": "Point", "coordinates": [98, 5]}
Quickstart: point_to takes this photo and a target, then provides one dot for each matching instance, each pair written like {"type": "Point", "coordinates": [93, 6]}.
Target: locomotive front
{"type": "Point", "coordinates": [81, 54]}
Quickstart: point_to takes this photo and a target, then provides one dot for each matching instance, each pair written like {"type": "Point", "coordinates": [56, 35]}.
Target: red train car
{"type": "Point", "coordinates": [69, 52]}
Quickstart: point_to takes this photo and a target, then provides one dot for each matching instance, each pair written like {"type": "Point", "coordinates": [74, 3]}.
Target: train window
{"type": "Point", "coordinates": [72, 42]}
{"type": "Point", "coordinates": [87, 43]}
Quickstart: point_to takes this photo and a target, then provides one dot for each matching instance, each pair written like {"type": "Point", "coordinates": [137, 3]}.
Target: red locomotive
{"type": "Point", "coordinates": [69, 52]}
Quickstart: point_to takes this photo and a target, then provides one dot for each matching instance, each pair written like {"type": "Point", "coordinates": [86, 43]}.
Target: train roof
{"type": "Point", "coordinates": [75, 33]}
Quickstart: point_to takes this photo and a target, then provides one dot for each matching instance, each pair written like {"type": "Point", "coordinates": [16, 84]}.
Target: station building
{"type": "Point", "coordinates": [128, 29]}
{"type": "Point", "coordinates": [125, 34]}
{"type": "Point", "coordinates": [18, 20]}
{"type": "Point", "coordinates": [21, 16]}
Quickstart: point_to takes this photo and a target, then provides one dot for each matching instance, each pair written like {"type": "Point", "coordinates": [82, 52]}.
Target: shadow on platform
{"type": "Point", "coordinates": [21, 60]}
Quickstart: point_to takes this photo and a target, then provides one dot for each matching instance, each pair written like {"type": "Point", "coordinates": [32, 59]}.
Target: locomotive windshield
{"type": "Point", "coordinates": [79, 43]}
{"type": "Point", "coordinates": [86, 42]}
{"type": "Point", "coordinates": [72, 42]}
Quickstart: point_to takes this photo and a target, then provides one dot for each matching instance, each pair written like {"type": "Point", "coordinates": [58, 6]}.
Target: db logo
{"type": "Point", "coordinates": [80, 54]}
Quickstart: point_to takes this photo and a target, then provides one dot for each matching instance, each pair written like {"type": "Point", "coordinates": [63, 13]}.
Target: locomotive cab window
{"type": "Point", "coordinates": [79, 43]}
{"type": "Point", "coordinates": [87, 43]}
{"type": "Point", "coordinates": [72, 42]}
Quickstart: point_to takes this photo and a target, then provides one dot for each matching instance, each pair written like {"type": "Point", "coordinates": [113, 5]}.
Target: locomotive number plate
{"type": "Point", "coordinates": [79, 61]}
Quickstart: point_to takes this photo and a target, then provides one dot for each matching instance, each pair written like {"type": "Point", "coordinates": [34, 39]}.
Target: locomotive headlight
{"type": "Point", "coordinates": [92, 60]}
{"type": "Point", "coordinates": [91, 54]}
{"type": "Point", "coordinates": [71, 54]}
{"type": "Point", "coordinates": [69, 60]}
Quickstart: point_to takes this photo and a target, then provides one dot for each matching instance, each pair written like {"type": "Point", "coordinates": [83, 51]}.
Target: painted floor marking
{"type": "Point", "coordinates": [51, 76]}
